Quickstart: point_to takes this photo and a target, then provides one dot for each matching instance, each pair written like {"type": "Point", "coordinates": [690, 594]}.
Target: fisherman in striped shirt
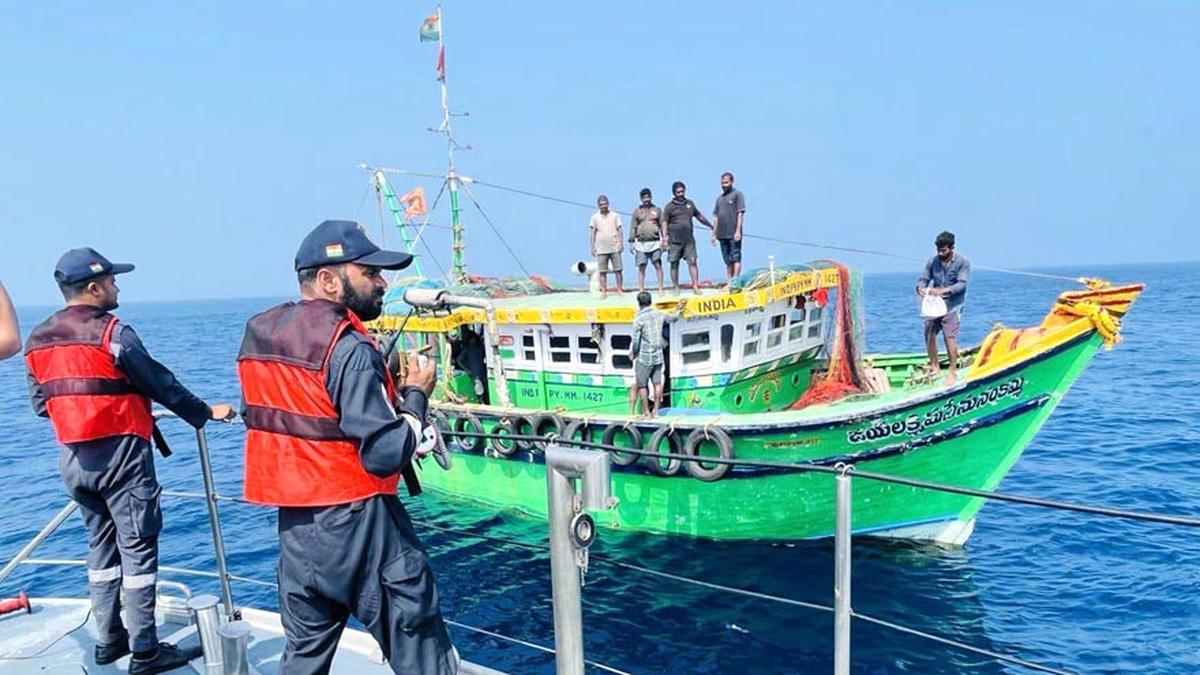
{"type": "Point", "coordinates": [646, 352]}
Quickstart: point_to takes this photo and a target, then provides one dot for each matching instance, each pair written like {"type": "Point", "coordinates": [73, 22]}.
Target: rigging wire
{"type": "Point", "coordinates": [794, 242]}
{"type": "Point", "coordinates": [764, 596]}
{"type": "Point", "coordinates": [531, 645]}
{"type": "Point", "coordinates": [383, 219]}
{"type": "Point", "coordinates": [361, 203]}
{"type": "Point", "coordinates": [425, 224]}
{"type": "Point", "coordinates": [492, 225]}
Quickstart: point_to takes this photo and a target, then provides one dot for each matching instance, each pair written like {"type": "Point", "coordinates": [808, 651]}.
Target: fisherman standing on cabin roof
{"type": "Point", "coordinates": [93, 378]}
{"type": "Point", "coordinates": [647, 238]}
{"type": "Point", "coordinates": [607, 244]}
{"type": "Point", "coordinates": [326, 446]}
{"type": "Point", "coordinates": [728, 214]}
{"type": "Point", "coordinates": [945, 276]}
{"type": "Point", "coordinates": [681, 240]}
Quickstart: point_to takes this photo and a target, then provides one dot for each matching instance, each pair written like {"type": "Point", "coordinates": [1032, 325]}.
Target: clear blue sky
{"type": "Point", "coordinates": [202, 143]}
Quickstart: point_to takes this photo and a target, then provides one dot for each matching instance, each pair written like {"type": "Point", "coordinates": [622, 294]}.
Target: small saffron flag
{"type": "Point", "coordinates": [441, 67]}
{"type": "Point", "coordinates": [431, 28]}
{"type": "Point", "coordinates": [414, 203]}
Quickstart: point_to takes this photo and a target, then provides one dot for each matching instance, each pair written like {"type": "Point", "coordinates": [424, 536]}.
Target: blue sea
{"type": "Point", "coordinates": [1072, 591]}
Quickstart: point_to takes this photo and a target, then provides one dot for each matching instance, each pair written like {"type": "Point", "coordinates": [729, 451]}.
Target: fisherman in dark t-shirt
{"type": "Point", "coordinates": [681, 241]}
{"type": "Point", "coordinates": [728, 214]}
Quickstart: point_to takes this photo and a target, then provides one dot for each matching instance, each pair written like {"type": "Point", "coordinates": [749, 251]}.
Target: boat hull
{"type": "Point", "coordinates": [969, 435]}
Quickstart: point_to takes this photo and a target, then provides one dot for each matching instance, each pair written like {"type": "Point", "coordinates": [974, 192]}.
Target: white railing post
{"type": "Point", "coordinates": [841, 577]}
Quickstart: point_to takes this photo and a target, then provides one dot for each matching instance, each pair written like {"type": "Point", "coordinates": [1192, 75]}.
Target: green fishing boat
{"type": "Point", "coordinates": [769, 368]}
{"type": "Point", "coordinates": [740, 363]}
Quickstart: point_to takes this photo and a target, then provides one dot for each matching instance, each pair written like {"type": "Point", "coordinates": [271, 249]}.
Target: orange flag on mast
{"type": "Point", "coordinates": [414, 202]}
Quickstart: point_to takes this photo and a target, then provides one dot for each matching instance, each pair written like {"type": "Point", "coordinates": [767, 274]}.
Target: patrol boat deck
{"type": "Point", "coordinates": [59, 634]}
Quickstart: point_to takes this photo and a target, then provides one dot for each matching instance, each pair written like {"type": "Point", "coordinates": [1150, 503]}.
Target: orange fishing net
{"type": "Point", "coordinates": [844, 375]}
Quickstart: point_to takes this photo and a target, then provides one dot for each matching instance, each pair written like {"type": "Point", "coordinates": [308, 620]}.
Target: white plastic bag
{"type": "Point", "coordinates": [932, 306]}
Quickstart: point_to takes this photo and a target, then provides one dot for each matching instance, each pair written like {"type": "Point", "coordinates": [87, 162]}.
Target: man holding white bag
{"type": "Point", "coordinates": [943, 289]}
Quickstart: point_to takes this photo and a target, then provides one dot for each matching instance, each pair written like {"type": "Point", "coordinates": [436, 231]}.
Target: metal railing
{"type": "Point", "coordinates": [842, 607]}
{"type": "Point", "coordinates": [210, 498]}
{"type": "Point", "coordinates": [843, 474]}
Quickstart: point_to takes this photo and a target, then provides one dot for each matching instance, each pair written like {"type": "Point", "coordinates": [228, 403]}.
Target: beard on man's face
{"type": "Point", "coordinates": [367, 306]}
{"type": "Point", "coordinates": [109, 303]}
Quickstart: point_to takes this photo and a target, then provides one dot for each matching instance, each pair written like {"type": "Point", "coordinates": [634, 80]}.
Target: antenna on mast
{"type": "Point", "coordinates": [458, 265]}
{"type": "Point", "coordinates": [431, 29]}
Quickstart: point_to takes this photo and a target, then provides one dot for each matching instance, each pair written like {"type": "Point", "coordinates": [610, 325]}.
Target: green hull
{"type": "Point", "coordinates": [968, 435]}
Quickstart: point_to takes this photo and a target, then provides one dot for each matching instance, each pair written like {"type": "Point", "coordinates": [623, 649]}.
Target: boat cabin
{"type": "Point", "coordinates": [743, 351]}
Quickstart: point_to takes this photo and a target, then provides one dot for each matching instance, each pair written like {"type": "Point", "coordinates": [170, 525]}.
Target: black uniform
{"type": "Point", "coordinates": [362, 558]}
{"type": "Point", "coordinates": [113, 481]}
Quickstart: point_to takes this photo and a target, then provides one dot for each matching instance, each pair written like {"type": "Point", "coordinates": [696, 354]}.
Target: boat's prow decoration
{"type": "Point", "coordinates": [1075, 313]}
{"type": "Point", "coordinates": [1106, 323]}
{"type": "Point", "coordinates": [1114, 299]}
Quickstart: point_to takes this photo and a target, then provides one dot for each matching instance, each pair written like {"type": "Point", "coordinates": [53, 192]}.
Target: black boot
{"type": "Point", "coordinates": [168, 657]}
{"type": "Point", "coordinates": [106, 654]}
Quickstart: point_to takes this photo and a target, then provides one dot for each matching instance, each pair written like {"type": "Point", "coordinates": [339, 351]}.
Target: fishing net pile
{"type": "Point", "coordinates": [761, 277]}
{"type": "Point", "coordinates": [477, 286]}
{"type": "Point", "coordinates": [844, 375]}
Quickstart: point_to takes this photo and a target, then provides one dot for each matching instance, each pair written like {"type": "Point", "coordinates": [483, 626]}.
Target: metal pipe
{"type": "Point", "coordinates": [214, 521]}
{"type": "Point", "coordinates": [564, 574]}
{"type": "Point", "coordinates": [235, 635]}
{"type": "Point", "coordinates": [208, 623]}
{"type": "Point", "coordinates": [426, 298]}
{"type": "Point", "coordinates": [493, 329]}
{"type": "Point", "coordinates": [48, 530]}
{"type": "Point", "coordinates": [841, 578]}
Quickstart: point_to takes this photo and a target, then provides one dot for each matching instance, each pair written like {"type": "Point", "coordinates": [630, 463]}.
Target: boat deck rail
{"type": "Point", "coordinates": [843, 473]}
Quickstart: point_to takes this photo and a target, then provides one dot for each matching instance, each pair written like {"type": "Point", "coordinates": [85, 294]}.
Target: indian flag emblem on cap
{"type": "Point", "coordinates": [333, 251]}
{"type": "Point", "coordinates": [96, 268]}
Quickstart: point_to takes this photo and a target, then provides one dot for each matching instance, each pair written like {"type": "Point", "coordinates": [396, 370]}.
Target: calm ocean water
{"type": "Point", "coordinates": [1066, 590]}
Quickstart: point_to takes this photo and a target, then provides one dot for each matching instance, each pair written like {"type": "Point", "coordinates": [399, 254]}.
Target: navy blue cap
{"type": "Point", "coordinates": [341, 241]}
{"type": "Point", "coordinates": [81, 264]}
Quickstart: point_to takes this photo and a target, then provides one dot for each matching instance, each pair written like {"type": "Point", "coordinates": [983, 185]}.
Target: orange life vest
{"type": "Point", "coordinates": [296, 454]}
{"type": "Point", "coordinates": [87, 395]}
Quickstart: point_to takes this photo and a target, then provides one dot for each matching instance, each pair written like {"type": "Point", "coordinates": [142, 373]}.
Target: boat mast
{"type": "Point", "coordinates": [385, 195]}
{"type": "Point", "coordinates": [458, 268]}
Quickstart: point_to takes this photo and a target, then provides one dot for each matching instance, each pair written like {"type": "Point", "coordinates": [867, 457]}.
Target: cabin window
{"type": "Point", "coordinates": [560, 349]}
{"type": "Point", "coordinates": [589, 351]}
{"type": "Point", "coordinates": [695, 347]}
{"type": "Point", "coordinates": [775, 332]}
{"type": "Point", "coordinates": [726, 342]}
{"type": "Point", "coordinates": [752, 344]}
{"type": "Point", "coordinates": [620, 344]}
{"type": "Point", "coordinates": [505, 342]}
{"type": "Point", "coordinates": [529, 347]}
{"type": "Point", "coordinates": [814, 318]}
{"type": "Point", "coordinates": [796, 330]}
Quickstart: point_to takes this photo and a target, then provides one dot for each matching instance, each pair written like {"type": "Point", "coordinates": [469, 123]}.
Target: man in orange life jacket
{"type": "Point", "coordinates": [326, 445]}
{"type": "Point", "coordinates": [93, 378]}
